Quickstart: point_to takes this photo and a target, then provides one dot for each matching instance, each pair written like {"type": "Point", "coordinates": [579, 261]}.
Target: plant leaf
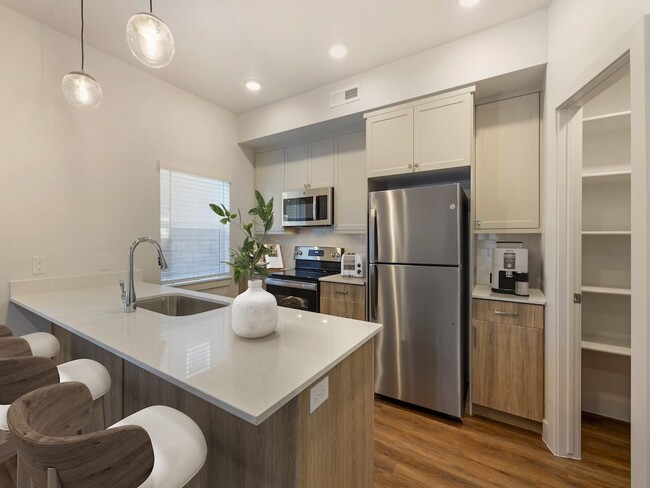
{"type": "Point", "coordinates": [216, 209]}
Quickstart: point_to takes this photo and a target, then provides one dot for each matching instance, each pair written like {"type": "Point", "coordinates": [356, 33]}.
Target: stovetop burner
{"type": "Point", "coordinates": [303, 274]}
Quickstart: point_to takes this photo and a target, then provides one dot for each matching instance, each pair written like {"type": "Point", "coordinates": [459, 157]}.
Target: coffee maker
{"type": "Point", "coordinates": [509, 268]}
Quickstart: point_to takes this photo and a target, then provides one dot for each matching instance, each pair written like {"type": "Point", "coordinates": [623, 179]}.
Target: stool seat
{"type": "Point", "coordinates": [3, 417]}
{"type": "Point", "coordinates": [89, 372]}
{"type": "Point", "coordinates": [178, 444]}
{"type": "Point", "coordinates": [42, 344]}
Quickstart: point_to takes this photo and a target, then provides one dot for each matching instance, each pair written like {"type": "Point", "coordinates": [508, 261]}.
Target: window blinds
{"type": "Point", "coordinates": [194, 241]}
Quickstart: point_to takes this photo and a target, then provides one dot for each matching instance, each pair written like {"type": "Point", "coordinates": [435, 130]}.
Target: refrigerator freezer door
{"type": "Point", "coordinates": [416, 225]}
{"type": "Point", "coordinates": [419, 356]}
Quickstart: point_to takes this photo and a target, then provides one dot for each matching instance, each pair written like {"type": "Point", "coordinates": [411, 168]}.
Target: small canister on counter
{"type": "Point", "coordinates": [521, 284]}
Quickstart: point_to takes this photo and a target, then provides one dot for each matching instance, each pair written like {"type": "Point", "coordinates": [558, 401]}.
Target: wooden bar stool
{"type": "Point", "coordinates": [40, 344]}
{"type": "Point", "coordinates": [21, 375]}
{"type": "Point", "coordinates": [157, 447]}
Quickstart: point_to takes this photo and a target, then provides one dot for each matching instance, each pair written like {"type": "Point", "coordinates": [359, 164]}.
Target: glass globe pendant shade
{"type": "Point", "coordinates": [150, 40]}
{"type": "Point", "coordinates": [82, 90]}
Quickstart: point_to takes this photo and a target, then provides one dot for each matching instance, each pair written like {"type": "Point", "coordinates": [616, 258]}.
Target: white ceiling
{"type": "Point", "coordinates": [281, 43]}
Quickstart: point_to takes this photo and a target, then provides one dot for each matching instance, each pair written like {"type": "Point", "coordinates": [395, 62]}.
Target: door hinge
{"type": "Point", "coordinates": [577, 298]}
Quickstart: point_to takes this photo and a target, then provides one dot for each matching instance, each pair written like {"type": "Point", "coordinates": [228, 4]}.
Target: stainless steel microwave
{"type": "Point", "coordinates": [306, 208]}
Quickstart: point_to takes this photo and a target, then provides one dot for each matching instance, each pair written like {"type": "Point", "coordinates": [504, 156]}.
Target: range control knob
{"type": "Point", "coordinates": [333, 255]}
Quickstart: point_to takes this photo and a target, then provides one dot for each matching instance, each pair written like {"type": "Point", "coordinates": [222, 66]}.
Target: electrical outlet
{"type": "Point", "coordinates": [38, 265]}
{"type": "Point", "coordinates": [318, 394]}
{"type": "Point", "coordinates": [104, 262]}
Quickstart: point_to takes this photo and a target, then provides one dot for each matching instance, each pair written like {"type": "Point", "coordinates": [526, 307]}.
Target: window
{"type": "Point", "coordinates": [195, 243]}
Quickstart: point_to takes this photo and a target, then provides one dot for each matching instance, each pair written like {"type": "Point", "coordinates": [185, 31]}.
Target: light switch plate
{"type": "Point", "coordinates": [104, 262]}
{"type": "Point", "coordinates": [318, 394]}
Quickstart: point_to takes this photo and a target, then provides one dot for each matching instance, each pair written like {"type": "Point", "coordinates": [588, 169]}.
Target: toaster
{"type": "Point", "coordinates": [352, 264]}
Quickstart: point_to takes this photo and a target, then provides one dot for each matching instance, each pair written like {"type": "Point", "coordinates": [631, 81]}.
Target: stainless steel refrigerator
{"type": "Point", "coordinates": [417, 287]}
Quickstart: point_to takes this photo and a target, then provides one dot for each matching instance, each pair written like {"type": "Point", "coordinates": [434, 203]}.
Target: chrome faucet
{"type": "Point", "coordinates": [128, 295]}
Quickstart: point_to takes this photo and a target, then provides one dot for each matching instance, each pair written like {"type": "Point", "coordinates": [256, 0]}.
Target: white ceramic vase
{"type": "Point", "coordinates": [254, 312]}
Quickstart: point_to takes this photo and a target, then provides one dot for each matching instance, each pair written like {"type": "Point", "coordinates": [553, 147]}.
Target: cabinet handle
{"type": "Point", "coordinates": [417, 165]}
{"type": "Point", "coordinates": [499, 312]}
{"type": "Point", "coordinates": [340, 292]}
{"type": "Point", "coordinates": [478, 224]}
{"type": "Point", "coordinates": [474, 334]}
{"type": "Point", "coordinates": [410, 166]}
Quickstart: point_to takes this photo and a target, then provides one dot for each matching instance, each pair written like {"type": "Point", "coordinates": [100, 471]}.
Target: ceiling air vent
{"type": "Point", "coordinates": [347, 95]}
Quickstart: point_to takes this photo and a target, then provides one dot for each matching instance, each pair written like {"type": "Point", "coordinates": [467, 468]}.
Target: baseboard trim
{"type": "Point", "coordinates": [507, 418]}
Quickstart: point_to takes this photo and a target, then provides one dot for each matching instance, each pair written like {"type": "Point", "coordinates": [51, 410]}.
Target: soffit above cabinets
{"type": "Point", "coordinates": [284, 45]}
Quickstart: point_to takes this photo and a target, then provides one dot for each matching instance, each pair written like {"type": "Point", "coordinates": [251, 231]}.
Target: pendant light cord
{"type": "Point", "coordinates": [150, 6]}
{"type": "Point", "coordinates": [82, 36]}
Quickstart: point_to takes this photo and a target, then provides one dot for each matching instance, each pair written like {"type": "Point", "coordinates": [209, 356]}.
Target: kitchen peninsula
{"type": "Point", "coordinates": [251, 398]}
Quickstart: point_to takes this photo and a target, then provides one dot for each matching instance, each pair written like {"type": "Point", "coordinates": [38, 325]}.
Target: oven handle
{"type": "Point", "coordinates": [292, 284]}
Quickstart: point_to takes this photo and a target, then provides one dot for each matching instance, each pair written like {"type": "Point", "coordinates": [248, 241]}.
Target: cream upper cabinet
{"type": "Point", "coordinates": [296, 168]}
{"type": "Point", "coordinates": [443, 133]}
{"type": "Point", "coordinates": [350, 183]}
{"type": "Point", "coordinates": [309, 166]}
{"type": "Point", "coordinates": [389, 142]}
{"type": "Point", "coordinates": [269, 180]}
{"type": "Point", "coordinates": [507, 196]}
{"type": "Point", "coordinates": [425, 135]}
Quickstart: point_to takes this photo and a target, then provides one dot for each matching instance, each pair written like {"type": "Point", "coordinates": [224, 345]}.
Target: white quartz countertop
{"type": "Point", "coordinates": [347, 280]}
{"type": "Point", "coordinates": [485, 292]}
{"type": "Point", "coordinates": [250, 378]}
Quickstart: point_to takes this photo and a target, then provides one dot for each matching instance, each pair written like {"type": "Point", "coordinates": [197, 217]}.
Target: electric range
{"type": "Point", "coordinates": [299, 288]}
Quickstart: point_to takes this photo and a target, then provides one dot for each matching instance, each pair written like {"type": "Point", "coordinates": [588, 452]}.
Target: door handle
{"type": "Point", "coordinates": [373, 292]}
{"type": "Point", "coordinates": [372, 235]}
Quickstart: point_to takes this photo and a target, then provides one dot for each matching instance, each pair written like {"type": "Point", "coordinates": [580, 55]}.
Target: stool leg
{"type": "Point", "coordinates": [53, 480]}
{"type": "Point", "coordinates": [23, 480]}
{"type": "Point", "coordinates": [99, 416]}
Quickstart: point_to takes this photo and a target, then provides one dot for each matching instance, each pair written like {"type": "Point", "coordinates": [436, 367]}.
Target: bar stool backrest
{"type": "Point", "coordinates": [44, 424]}
{"type": "Point", "coordinates": [14, 347]}
{"type": "Point", "coordinates": [21, 375]}
{"type": "Point", "coordinates": [5, 331]}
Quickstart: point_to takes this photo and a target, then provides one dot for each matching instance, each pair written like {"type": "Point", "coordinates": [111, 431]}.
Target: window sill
{"type": "Point", "coordinates": [202, 284]}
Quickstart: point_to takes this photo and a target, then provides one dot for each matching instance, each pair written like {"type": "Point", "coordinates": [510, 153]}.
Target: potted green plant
{"type": "Point", "coordinates": [254, 312]}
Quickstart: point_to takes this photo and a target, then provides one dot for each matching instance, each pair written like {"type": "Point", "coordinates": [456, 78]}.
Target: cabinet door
{"type": "Point", "coordinates": [389, 142]}
{"type": "Point", "coordinates": [508, 368]}
{"type": "Point", "coordinates": [443, 133]}
{"type": "Point", "coordinates": [507, 164]}
{"type": "Point", "coordinates": [350, 184]}
{"type": "Point", "coordinates": [269, 180]}
{"type": "Point", "coordinates": [296, 168]}
{"type": "Point", "coordinates": [321, 163]}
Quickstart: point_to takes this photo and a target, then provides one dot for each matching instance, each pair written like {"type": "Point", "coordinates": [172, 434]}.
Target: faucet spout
{"type": "Point", "coordinates": [128, 296]}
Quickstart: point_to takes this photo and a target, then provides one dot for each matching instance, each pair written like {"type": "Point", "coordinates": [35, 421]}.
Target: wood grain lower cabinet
{"type": "Point", "coordinates": [343, 300]}
{"type": "Point", "coordinates": [508, 360]}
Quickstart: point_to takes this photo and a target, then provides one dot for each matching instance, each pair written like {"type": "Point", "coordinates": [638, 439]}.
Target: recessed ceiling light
{"type": "Point", "coordinates": [253, 85]}
{"type": "Point", "coordinates": [338, 51]}
{"type": "Point", "coordinates": [468, 3]}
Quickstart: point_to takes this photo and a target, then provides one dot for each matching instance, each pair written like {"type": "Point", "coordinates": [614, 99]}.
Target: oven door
{"type": "Point", "coordinates": [294, 294]}
{"type": "Point", "coordinates": [307, 208]}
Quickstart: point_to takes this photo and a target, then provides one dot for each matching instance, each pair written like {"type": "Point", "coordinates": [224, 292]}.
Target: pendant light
{"type": "Point", "coordinates": [150, 40]}
{"type": "Point", "coordinates": [81, 89]}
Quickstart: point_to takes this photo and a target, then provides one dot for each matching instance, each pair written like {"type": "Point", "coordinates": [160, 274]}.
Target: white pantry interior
{"type": "Point", "coordinates": [605, 238]}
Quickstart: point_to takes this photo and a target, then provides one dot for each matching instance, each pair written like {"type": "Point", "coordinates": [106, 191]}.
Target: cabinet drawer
{"type": "Point", "coordinates": [508, 313]}
{"type": "Point", "coordinates": [343, 292]}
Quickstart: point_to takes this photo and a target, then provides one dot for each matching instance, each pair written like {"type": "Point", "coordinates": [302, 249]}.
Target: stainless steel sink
{"type": "Point", "coordinates": [178, 305]}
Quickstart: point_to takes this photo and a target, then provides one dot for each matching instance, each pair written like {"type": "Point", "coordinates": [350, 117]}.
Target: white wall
{"type": "Point", "coordinates": [512, 46]}
{"type": "Point", "coordinates": [77, 184]}
{"type": "Point", "coordinates": [580, 32]}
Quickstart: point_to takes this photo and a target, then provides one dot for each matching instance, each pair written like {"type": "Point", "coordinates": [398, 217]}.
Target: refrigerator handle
{"type": "Point", "coordinates": [373, 292]}
{"type": "Point", "coordinates": [372, 235]}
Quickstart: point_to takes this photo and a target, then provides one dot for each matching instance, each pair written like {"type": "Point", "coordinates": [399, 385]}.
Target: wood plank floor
{"type": "Point", "coordinates": [416, 449]}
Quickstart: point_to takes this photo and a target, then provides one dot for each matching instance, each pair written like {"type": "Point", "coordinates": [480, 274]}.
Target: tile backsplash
{"type": "Point", "coordinates": [317, 237]}
{"type": "Point", "coordinates": [485, 243]}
